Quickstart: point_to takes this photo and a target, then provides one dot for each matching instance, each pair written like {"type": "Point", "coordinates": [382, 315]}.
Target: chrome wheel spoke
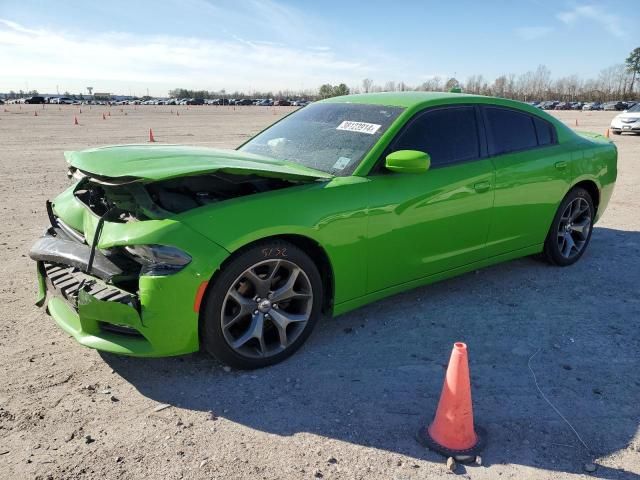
{"type": "Point", "coordinates": [582, 227]}
{"type": "Point", "coordinates": [579, 210]}
{"type": "Point", "coordinates": [282, 320]}
{"type": "Point", "coordinates": [281, 325]}
{"type": "Point", "coordinates": [260, 284]}
{"type": "Point", "coordinates": [569, 245]}
{"type": "Point", "coordinates": [286, 291]}
{"type": "Point", "coordinates": [245, 308]}
{"type": "Point", "coordinates": [255, 330]}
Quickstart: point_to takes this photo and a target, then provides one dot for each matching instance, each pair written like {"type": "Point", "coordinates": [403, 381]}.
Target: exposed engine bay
{"type": "Point", "coordinates": [131, 200]}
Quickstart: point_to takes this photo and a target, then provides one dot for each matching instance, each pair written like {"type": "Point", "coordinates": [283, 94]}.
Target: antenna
{"type": "Point", "coordinates": [89, 89]}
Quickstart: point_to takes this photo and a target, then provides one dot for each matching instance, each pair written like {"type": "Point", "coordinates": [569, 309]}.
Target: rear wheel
{"type": "Point", "coordinates": [571, 229]}
{"type": "Point", "coordinates": [263, 306]}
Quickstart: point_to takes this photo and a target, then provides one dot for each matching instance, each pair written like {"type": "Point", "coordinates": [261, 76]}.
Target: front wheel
{"type": "Point", "coordinates": [571, 229]}
{"type": "Point", "coordinates": [262, 306]}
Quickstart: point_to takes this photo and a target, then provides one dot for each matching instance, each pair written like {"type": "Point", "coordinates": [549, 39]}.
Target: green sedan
{"type": "Point", "coordinates": [160, 250]}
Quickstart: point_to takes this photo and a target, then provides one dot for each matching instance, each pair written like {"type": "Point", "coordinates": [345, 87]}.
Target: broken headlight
{"type": "Point", "coordinates": [158, 259]}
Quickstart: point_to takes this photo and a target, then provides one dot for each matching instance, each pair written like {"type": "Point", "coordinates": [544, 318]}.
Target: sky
{"type": "Point", "coordinates": [135, 47]}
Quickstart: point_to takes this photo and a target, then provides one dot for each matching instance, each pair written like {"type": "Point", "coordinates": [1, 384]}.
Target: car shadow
{"type": "Point", "coordinates": [373, 377]}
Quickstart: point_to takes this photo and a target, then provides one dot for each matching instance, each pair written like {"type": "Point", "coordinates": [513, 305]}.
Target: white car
{"type": "Point", "coordinates": [627, 121]}
{"type": "Point", "coordinates": [62, 100]}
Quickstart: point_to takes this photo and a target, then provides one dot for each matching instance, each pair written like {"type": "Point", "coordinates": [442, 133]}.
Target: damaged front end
{"type": "Point", "coordinates": [117, 268]}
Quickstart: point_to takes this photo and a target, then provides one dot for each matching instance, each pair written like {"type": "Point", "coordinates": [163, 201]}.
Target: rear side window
{"type": "Point", "coordinates": [448, 135]}
{"type": "Point", "coordinates": [509, 131]}
{"type": "Point", "coordinates": [543, 131]}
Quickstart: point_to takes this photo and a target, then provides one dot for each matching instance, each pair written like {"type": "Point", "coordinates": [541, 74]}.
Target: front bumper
{"type": "Point", "coordinates": [156, 318]}
{"type": "Point", "coordinates": [95, 314]}
{"type": "Point", "coordinates": [620, 126]}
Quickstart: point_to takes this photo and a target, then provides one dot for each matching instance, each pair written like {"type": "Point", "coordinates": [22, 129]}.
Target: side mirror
{"type": "Point", "coordinates": [408, 161]}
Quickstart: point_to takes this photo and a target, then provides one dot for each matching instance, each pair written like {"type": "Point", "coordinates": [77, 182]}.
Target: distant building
{"type": "Point", "coordinates": [101, 96]}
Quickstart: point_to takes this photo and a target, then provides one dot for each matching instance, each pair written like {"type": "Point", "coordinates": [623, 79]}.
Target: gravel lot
{"type": "Point", "coordinates": [349, 403]}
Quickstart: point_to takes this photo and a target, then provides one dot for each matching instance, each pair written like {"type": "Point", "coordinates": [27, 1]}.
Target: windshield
{"type": "Point", "coordinates": [331, 137]}
{"type": "Point", "coordinates": [635, 108]}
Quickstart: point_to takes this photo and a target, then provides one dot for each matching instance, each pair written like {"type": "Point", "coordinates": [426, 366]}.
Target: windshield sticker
{"type": "Point", "coordinates": [361, 127]}
{"type": "Point", "coordinates": [341, 163]}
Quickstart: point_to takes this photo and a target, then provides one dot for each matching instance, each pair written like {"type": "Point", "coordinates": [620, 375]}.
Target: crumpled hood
{"type": "Point", "coordinates": [148, 163]}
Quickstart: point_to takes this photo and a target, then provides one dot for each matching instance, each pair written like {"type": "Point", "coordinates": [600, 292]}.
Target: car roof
{"type": "Point", "coordinates": [421, 99]}
{"type": "Point", "coordinates": [416, 101]}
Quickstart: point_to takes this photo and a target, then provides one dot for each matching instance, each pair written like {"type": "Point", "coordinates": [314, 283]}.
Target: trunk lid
{"type": "Point", "coordinates": [594, 137]}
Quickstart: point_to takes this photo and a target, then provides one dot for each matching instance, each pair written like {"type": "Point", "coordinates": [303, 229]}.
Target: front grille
{"type": "Point", "coordinates": [67, 281]}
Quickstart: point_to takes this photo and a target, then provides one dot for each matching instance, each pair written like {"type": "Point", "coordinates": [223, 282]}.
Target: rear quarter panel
{"type": "Point", "coordinates": [596, 160]}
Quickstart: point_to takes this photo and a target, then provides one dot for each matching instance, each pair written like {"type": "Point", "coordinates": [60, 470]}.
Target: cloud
{"type": "Point", "coordinates": [533, 33]}
{"type": "Point", "coordinates": [163, 61]}
{"type": "Point", "coordinates": [609, 21]}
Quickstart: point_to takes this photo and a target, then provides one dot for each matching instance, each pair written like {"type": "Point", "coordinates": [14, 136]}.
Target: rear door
{"type": "Point", "coordinates": [532, 176]}
{"type": "Point", "coordinates": [425, 223]}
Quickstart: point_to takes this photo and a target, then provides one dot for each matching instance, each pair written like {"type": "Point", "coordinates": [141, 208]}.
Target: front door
{"type": "Point", "coordinates": [426, 223]}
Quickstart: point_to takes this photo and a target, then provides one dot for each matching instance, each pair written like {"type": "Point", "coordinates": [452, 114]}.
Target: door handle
{"type": "Point", "coordinates": [561, 165]}
{"type": "Point", "coordinates": [482, 186]}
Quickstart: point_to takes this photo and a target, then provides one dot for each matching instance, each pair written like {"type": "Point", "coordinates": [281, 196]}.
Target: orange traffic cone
{"type": "Point", "coordinates": [151, 139]}
{"type": "Point", "coordinates": [75, 120]}
{"type": "Point", "coordinates": [35, 113]}
{"type": "Point", "coordinates": [79, 110]}
{"type": "Point", "coordinates": [576, 122]}
{"type": "Point", "coordinates": [606, 134]}
{"type": "Point", "coordinates": [104, 117]}
{"type": "Point", "coordinates": [109, 113]}
{"type": "Point", "coordinates": [452, 432]}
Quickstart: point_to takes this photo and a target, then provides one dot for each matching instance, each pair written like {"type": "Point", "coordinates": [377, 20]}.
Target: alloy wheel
{"type": "Point", "coordinates": [573, 228]}
{"type": "Point", "coordinates": [266, 308]}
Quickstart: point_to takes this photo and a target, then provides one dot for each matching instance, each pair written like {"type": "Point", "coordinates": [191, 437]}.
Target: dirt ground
{"type": "Point", "coordinates": [349, 403]}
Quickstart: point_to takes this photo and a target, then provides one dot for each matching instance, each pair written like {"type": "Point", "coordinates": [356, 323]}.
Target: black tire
{"type": "Point", "coordinates": [616, 133]}
{"type": "Point", "coordinates": [552, 250]}
{"type": "Point", "coordinates": [212, 335]}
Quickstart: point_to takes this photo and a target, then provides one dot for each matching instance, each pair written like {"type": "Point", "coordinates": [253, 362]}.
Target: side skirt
{"type": "Point", "coordinates": [349, 305]}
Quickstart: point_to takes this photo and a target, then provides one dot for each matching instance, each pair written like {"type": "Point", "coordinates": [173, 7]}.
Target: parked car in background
{"type": "Point", "coordinates": [195, 101]}
{"type": "Point", "coordinates": [615, 105]}
{"type": "Point", "coordinates": [34, 100]}
{"type": "Point", "coordinates": [62, 100]}
{"type": "Point", "coordinates": [265, 103]}
{"type": "Point", "coordinates": [592, 106]}
{"type": "Point", "coordinates": [162, 249]}
{"type": "Point", "coordinates": [549, 105]}
{"type": "Point", "coordinates": [282, 103]}
{"type": "Point", "coordinates": [628, 121]}
{"type": "Point", "coordinates": [245, 101]}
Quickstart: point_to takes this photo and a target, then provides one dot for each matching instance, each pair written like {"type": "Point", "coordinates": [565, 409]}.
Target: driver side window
{"type": "Point", "coordinates": [449, 135]}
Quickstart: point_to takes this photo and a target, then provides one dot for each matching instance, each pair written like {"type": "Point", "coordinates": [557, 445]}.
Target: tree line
{"type": "Point", "coordinates": [617, 82]}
